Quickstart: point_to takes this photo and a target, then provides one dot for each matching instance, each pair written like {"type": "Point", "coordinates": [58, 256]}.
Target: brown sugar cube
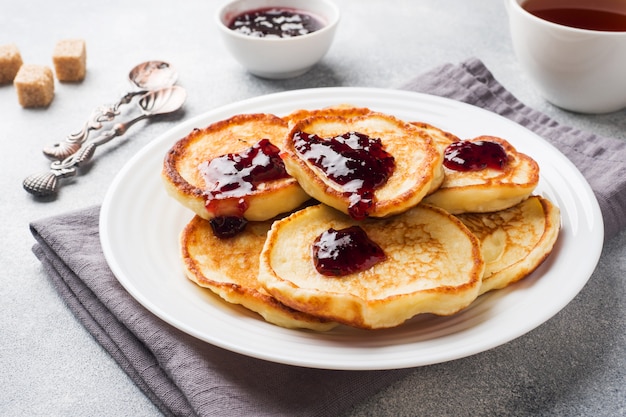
{"type": "Point", "coordinates": [34, 85]}
{"type": "Point", "coordinates": [10, 63]}
{"type": "Point", "coordinates": [70, 60]}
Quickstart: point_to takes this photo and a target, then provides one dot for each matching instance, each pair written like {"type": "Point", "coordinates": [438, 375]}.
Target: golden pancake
{"type": "Point", "coordinates": [417, 168]}
{"type": "Point", "coordinates": [229, 268]}
{"type": "Point", "coordinates": [488, 189]}
{"type": "Point", "coordinates": [184, 179]}
{"type": "Point", "coordinates": [433, 265]}
{"type": "Point", "coordinates": [515, 241]}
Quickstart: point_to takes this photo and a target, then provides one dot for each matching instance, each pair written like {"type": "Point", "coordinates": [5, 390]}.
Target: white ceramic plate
{"type": "Point", "coordinates": [140, 224]}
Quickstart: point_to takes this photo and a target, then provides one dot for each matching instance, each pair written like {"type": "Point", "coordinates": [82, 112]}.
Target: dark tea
{"type": "Point", "coordinates": [602, 15]}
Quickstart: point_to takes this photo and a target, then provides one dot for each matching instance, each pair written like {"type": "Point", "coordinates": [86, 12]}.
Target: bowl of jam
{"type": "Point", "coordinates": [278, 39]}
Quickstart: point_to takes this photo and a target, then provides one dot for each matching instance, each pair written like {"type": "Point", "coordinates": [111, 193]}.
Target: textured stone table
{"type": "Point", "coordinates": [573, 365]}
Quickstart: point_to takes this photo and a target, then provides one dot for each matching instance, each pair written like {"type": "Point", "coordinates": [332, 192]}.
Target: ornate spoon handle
{"type": "Point", "coordinates": [147, 76]}
{"type": "Point", "coordinates": [47, 183]}
{"type": "Point", "coordinates": [166, 100]}
{"type": "Point", "coordinates": [102, 114]}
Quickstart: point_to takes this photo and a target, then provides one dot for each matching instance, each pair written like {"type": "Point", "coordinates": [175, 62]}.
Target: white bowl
{"type": "Point", "coordinates": [278, 58]}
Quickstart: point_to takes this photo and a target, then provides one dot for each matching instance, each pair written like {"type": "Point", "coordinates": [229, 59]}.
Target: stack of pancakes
{"type": "Point", "coordinates": [448, 235]}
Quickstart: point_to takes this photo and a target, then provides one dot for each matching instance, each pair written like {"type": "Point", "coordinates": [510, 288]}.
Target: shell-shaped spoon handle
{"type": "Point", "coordinates": [46, 183]}
{"type": "Point", "coordinates": [60, 151]}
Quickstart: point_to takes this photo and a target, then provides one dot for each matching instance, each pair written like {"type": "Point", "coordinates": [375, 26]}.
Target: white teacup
{"type": "Point", "coordinates": [575, 69]}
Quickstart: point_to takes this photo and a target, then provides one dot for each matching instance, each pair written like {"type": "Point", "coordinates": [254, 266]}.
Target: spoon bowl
{"type": "Point", "coordinates": [152, 75]}
{"type": "Point", "coordinates": [162, 101]}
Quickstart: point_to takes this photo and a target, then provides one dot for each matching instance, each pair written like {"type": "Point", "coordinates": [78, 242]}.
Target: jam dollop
{"type": "Point", "coordinates": [353, 160]}
{"type": "Point", "coordinates": [227, 226]}
{"type": "Point", "coordinates": [275, 23]}
{"type": "Point", "coordinates": [230, 178]}
{"type": "Point", "coordinates": [342, 252]}
{"type": "Point", "coordinates": [468, 155]}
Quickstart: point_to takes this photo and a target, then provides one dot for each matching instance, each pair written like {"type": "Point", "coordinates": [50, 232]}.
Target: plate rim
{"type": "Point", "coordinates": [285, 96]}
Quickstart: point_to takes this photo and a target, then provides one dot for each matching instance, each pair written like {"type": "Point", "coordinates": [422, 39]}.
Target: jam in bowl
{"type": "Point", "coordinates": [278, 39]}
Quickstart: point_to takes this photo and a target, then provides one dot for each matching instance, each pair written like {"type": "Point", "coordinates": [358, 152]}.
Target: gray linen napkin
{"type": "Point", "coordinates": [182, 375]}
{"type": "Point", "coordinates": [186, 377]}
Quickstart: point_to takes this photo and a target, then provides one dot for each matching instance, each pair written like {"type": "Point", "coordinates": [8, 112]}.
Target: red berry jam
{"type": "Point", "coordinates": [227, 226]}
{"type": "Point", "coordinates": [275, 23]}
{"type": "Point", "coordinates": [474, 155]}
{"type": "Point", "coordinates": [346, 251]}
{"type": "Point", "coordinates": [231, 177]}
{"type": "Point", "coordinates": [353, 160]}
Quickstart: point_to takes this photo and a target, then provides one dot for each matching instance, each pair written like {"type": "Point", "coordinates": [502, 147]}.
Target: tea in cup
{"type": "Point", "coordinates": [573, 50]}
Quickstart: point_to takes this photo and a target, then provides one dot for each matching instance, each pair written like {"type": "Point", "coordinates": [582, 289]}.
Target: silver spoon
{"type": "Point", "coordinates": [147, 76]}
{"type": "Point", "coordinates": [157, 102]}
